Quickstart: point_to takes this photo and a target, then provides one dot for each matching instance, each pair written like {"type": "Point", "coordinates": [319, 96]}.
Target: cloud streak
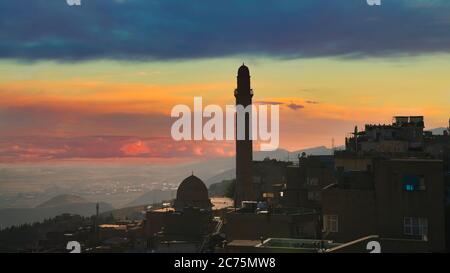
{"type": "Point", "coordinates": [40, 148]}
{"type": "Point", "coordinates": [179, 29]}
{"type": "Point", "coordinates": [294, 106]}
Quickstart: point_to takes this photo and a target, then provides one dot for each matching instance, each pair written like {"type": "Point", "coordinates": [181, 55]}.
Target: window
{"type": "Point", "coordinates": [415, 226]}
{"type": "Point", "coordinates": [314, 196]}
{"type": "Point", "coordinates": [413, 182]}
{"type": "Point", "coordinates": [330, 223]}
{"type": "Point", "coordinates": [422, 185]}
{"type": "Point", "coordinates": [257, 179]}
{"type": "Point", "coordinates": [299, 231]}
{"type": "Point", "coordinates": [312, 181]}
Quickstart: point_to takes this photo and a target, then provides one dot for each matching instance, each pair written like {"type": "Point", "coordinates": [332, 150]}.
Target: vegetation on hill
{"type": "Point", "coordinates": [224, 188]}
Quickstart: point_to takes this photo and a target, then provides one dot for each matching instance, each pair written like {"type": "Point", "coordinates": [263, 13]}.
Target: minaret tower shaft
{"type": "Point", "coordinates": [244, 151]}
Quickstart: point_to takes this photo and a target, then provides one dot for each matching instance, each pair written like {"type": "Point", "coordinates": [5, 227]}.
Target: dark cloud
{"type": "Point", "coordinates": [292, 105]}
{"type": "Point", "coordinates": [312, 102]}
{"type": "Point", "coordinates": [183, 29]}
{"type": "Point", "coordinates": [295, 106]}
{"type": "Point", "coordinates": [268, 102]}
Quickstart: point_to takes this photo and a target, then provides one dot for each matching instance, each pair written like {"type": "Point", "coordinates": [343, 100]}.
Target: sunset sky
{"type": "Point", "coordinates": [99, 81]}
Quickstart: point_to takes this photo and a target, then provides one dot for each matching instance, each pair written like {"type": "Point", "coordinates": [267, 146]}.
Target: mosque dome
{"type": "Point", "coordinates": [192, 192]}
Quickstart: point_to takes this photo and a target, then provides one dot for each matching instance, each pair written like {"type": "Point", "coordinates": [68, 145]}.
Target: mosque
{"type": "Point", "coordinates": [192, 193]}
{"type": "Point", "coordinates": [184, 225]}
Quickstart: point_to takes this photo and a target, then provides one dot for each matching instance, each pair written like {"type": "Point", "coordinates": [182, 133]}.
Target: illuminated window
{"type": "Point", "coordinates": [413, 182]}
{"type": "Point", "coordinates": [415, 226]}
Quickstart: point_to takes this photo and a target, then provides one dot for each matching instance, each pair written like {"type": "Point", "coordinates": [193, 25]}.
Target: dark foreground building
{"type": "Point", "coordinates": [390, 182]}
{"type": "Point", "coordinates": [401, 199]}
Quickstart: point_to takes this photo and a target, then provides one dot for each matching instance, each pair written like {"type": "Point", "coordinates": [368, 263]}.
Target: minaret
{"type": "Point", "coordinates": [96, 223]}
{"type": "Point", "coordinates": [244, 150]}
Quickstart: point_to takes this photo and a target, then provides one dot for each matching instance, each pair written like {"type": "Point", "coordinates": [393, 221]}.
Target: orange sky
{"type": "Point", "coordinates": [320, 99]}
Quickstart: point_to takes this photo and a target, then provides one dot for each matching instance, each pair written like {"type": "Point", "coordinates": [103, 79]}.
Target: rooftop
{"type": "Point", "coordinates": [221, 203]}
{"type": "Point", "coordinates": [416, 160]}
{"type": "Point", "coordinates": [306, 245]}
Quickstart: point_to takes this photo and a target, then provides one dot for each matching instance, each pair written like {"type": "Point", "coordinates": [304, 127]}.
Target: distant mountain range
{"type": "Point", "coordinates": [152, 197]}
{"type": "Point", "coordinates": [62, 200]}
{"type": "Point", "coordinates": [57, 205]}
{"type": "Point", "coordinates": [226, 175]}
{"type": "Point", "coordinates": [219, 188]}
{"type": "Point", "coordinates": [438, 131]}
{"type": "Point", "coordinates": [129, 213]}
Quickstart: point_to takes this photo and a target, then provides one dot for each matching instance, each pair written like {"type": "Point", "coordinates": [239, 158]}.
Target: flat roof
{"type": "Point", "coordinates": [244, 243]}
{"type": "Point", "coordinates": [416, 159]}
{"type": "Point", "coordinates": [298, 243]}
{"type": "Point", "coordinates": [164, 209]}
{"type": "Point", "coordinates": [113, 226]}
{"type": "Point", "coordinates": [221, 203]}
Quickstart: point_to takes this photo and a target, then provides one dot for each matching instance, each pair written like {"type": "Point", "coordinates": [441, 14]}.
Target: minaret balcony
{"type": "Point", "coordinates": [236, 93]}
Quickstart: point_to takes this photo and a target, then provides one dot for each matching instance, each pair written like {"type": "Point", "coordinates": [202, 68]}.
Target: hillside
{"type": "Point", "coordinates": [62, 200]}
{"type": "Point", "coordinates": [438, 131]}
{"type": "Point", "coordinates": [219, 188]}
{"type": "Point", "coordinates": [152, 197]}
{"type": "Point", "coordinates": [55, 206]}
